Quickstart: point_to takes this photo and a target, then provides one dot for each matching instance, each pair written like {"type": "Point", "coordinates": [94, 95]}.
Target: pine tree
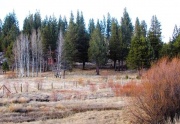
{"type": "Point", "coordinates": [0, 35]}
{"type": "Point", "coordinates": [176, 45]}
{"type": "Point", "coordinates": [70, 42]}
{"type": "Point", "coordinates": [28, 25]}
{"type": "Point", "coordinates": [171, 49]}
{"type": "Point", "coordinates": [45, 34]}
{"type": "Point", "coordinates": [10, 30]}
{"type": "Point", "coordinates": [168, 50]}
{"type": "Point", "coordinates": [91, 27]}
{"type": "Point", "coordinates": [108, 26]}
{"type": "Point", "coordinates": [97, 49]}
{"type": "Point", "coordinates": [154, 37]}
{"type": "Point", "coordinates": [140, 50]}
{"type": "Point", "coordinates": [126, 30]}
{"type": "Point", "coordinates": [114, 43]}
{"type": "Point", "coordinates": [49, 34]}
{"type": "Point", "coordinates": [0, 27]}
{"type": "Point", "coordinates": [62, 25]}
{"type": "Point", "coordinates": [143, 27]}
{"type": "Point", "coordinates": [53, 32]}
{"type": "Point", "coordinates": [82, 43]}
{"type": "Point", "coordinates": [103, 26]}
{"type": "Point", "coordinates": [5, 67]}
{"type": "Point", "coordinates": [176, 33]}
{"type": "Point", "coordinates": [37, 21]}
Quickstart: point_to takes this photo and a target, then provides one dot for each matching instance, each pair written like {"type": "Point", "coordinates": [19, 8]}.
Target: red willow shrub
{"type": "Point", "coordinates": [129, 89]}
{"type": "Point", "coordinates": [159, 100]}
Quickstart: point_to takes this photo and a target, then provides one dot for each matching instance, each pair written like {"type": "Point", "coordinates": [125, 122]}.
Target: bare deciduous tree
{"type": "Point", "coordinates": [37, 52]}
{"type": "Point", "coordinates": [21, 55]}
{"type": "Point", "coordinates": [60, 44]}
{"type": "Point", "coordinates": [40, 51]}
{"type": "Point", "coordinates": [33, 50]}
{"type": "Point", "coordinates": [27, 57]}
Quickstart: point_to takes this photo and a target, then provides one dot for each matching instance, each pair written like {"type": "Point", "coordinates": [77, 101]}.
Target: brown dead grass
{"type": "Point", "coordinates": [15, 107]}
{"type": "Point", "coordinates": [10, 74]}
{"type": "Point", "coordinates": [91, 95]}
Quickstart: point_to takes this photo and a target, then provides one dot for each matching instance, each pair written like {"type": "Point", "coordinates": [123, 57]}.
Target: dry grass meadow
{"type": "Point", "coordinates": [81, 98]}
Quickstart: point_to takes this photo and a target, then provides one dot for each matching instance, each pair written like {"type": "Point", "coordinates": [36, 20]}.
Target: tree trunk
{"type": "Point", "coordinates": [43, 63]}
{"type": "Point", "coordinates": [32, 66]}
{"type": "Point", "coordinates": [97, 69]}
{"type": "Point", "coordinates": [115, 65]}
{"type": "Point", "coordinates": [119, 65]}
{"type": "Point", "coordinates": [21, 62]}
{"type": "Point", "coordinates": [16, 63]}
{"type": "Point", "coordinates": [37, 64]}
{"type": "Point", "coordinates": [139, 72]}
{"type": "Point", "coordinates": [27, 55]}
{"type": "Point", "coordinates": [40, 66]}
{"type": "Point", "coordinates": [46, 65]}
{"type": "Point", "coordinates": [64, 73]}
{"type": "Point", "coordinates": [122, 65]}
{"type": "Point", "coordinates": [84, 65]}
{"type": "Point", "coordinates": [28, 63]}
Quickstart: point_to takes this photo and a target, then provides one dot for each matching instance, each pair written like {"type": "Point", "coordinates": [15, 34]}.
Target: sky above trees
{"type": "Point", "coordinates": [165, 10]}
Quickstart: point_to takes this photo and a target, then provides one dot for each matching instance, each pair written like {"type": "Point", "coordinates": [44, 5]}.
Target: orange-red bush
{"type": "Point", "coordinates": [159, 99]}
{"type": "Point", "coordinates": [129, 89]}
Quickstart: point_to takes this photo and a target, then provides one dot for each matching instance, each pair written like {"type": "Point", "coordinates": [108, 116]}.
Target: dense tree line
{"type": "Point", "coordinates": [28, 50]}
{"type": "Point", "coordinates": [172, 48]}
{"type": "Point", "coordinates": [9, 32]}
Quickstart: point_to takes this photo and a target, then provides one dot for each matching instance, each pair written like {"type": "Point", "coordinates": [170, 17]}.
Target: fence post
{"type": "Point", "coordinates": [38, 85]}
{"type": "Point", "coordinates": [64, 84]}
{"type": "Point", "coordinates": [121, 81]}
{"type": "Point", "coordinates": [52, 86]}
{"type": "Point", "coordinates": [3, 90]}
{"type": "Point", "coordinates": [21, 87]}
{"type": "Point", "coordinates": [27, 87]}
{"type": "Point", "coordinates": [15, 87]}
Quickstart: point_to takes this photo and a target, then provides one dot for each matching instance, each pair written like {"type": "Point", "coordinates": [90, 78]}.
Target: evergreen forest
{"type": "Point", "coordinates": [57, 43]}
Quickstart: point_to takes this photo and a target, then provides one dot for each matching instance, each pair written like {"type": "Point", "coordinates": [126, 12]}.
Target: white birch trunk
{"type": "Point", "coordinates": [21, 62]}
{"type": "Point", "coordinates": [15, 56]}
{"type": "Point", "coordinates": [37, 52]}
{"type": "Point", "coordinates": [60, 44]}
{"type": "Point", "coordinates": [33, 50]}
{"type": "Point", "coordinates": [27, 55]}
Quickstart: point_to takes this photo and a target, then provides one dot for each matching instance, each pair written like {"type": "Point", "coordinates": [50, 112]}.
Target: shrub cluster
{"type": "Point", "coordinates": [159, 99]}
{"type": "Point", "coordinates": [130, 89]}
